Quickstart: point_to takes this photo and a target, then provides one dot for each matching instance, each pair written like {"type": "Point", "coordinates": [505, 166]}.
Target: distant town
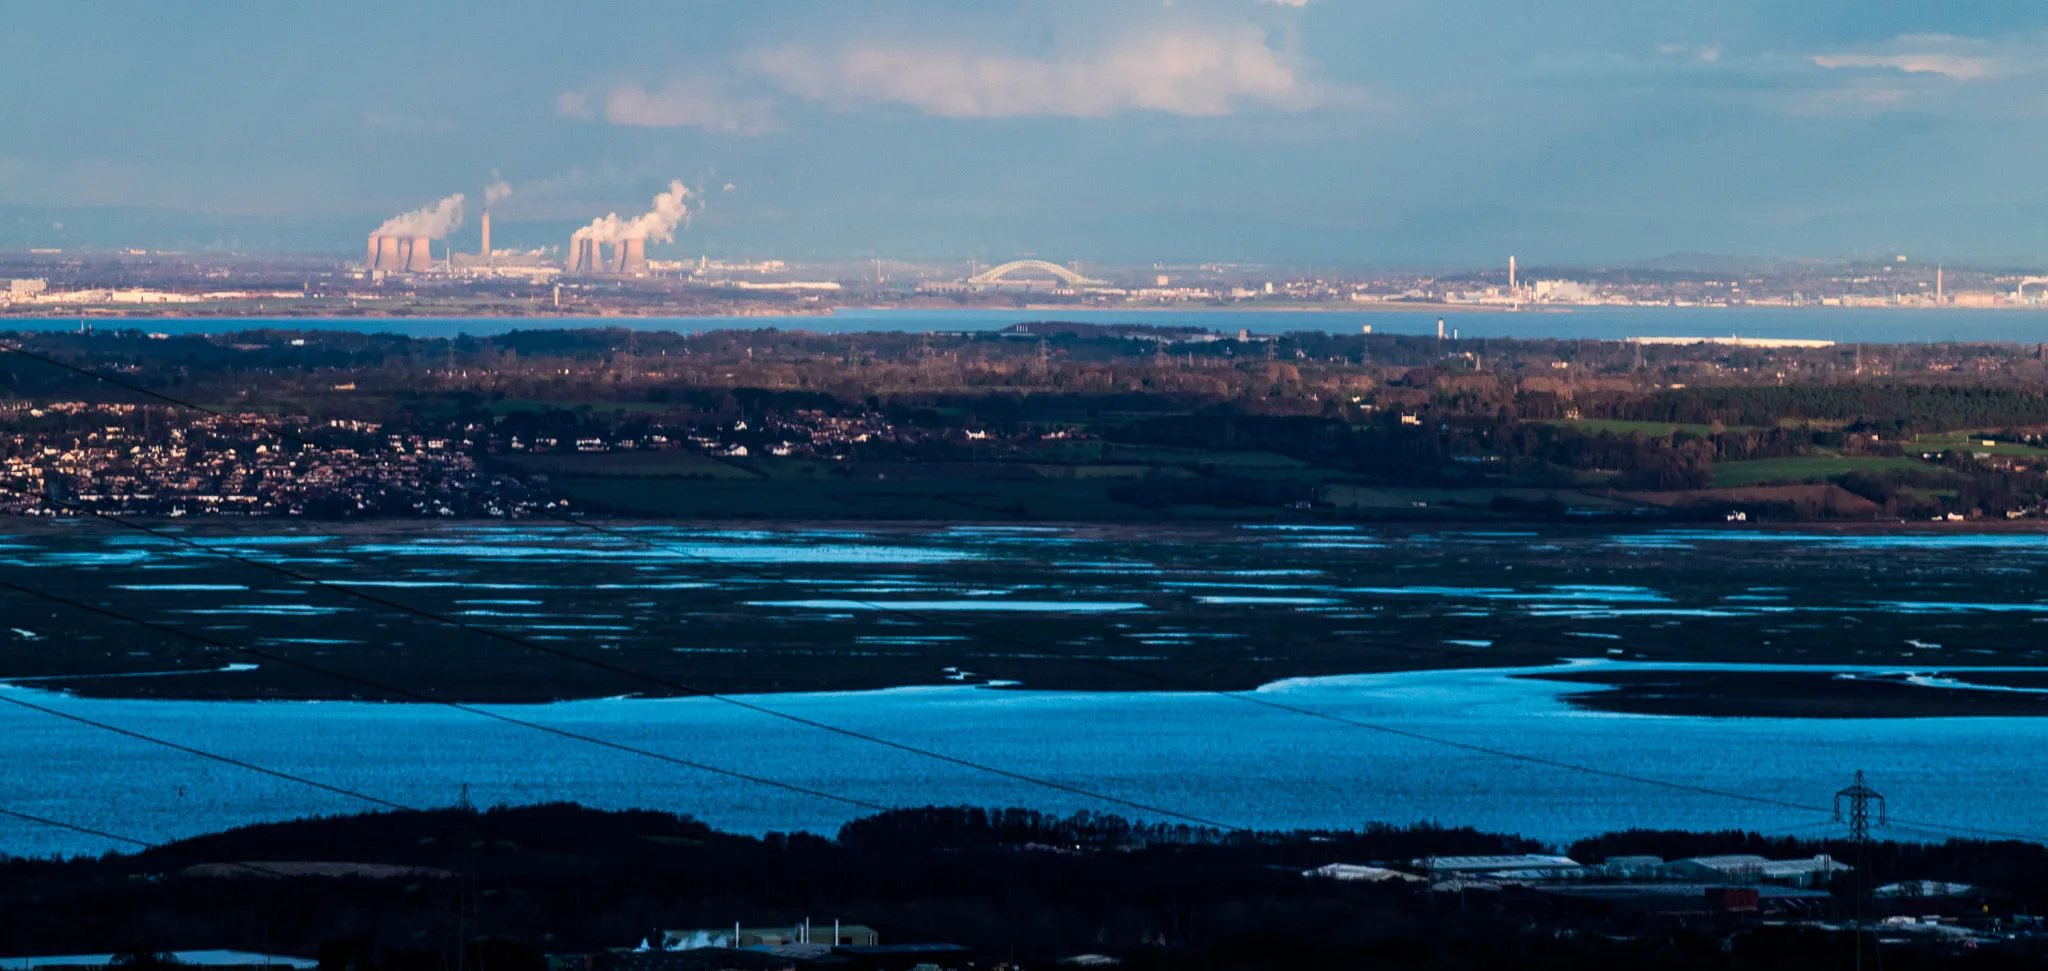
{"type": "Point", "coordinates": [398, 276]}
{"type": "Point", "coordinates": [1041, 421]}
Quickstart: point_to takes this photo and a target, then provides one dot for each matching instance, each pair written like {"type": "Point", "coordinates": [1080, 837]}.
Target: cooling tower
{"type": "Point", "coordinates": [635, 260]}
{"type": "Point", "coordinates": [370, 258]}
{"type": "Point", "coordinates": [421, 258]}
{"type": "Point", "coordinates": [487, 238]}
{"type": "Point", "coordinates": [389, 253]}
{"type": "Point", "coordinates": [582, 255]}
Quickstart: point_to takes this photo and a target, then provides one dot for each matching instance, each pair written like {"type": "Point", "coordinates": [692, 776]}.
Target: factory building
{"type": "Point", "coordinates": [589, 257]}
{"type": "Point", "coordinates": [399, 254]}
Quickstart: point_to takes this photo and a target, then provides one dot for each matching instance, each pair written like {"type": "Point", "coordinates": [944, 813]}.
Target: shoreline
{"type": "Point", "coordinates": [1715, 690]}
{"type": "Point", "coordinates": [100, 312]}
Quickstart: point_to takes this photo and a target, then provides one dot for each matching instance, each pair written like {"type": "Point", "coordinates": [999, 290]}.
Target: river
{"type": "Point", "coordinates": [1459, 745]}
{"type": "Point", "coordinates": [1206, 755]}
{"type": "Point", "coordinates": [1849, 325]}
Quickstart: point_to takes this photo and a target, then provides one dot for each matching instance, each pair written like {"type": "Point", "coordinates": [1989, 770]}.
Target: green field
{"type": "Point", "coordinates": [1611, 426]}
{"type": "Point", "coordinates": [631, 465]}
{"type": "Point", "coordinates": [1393, 498]}
{"type": "Point", "coordinates": [1959, 441]}
{"type": "Point", "coordinates": [935, 499]}
{"type": "Point", "coordinates": [1805, 468]}
{"type": "Point", "coordinates": [510, 405]}
{"type": "Point", "coordinates": [1111, 453]}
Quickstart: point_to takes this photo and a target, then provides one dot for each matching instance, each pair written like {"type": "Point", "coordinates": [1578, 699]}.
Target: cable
{"type": "Point", "coordinates": [1391, 731]}
{"type": "Point", "coordinates": [74, 827]}
{"type": "Point", "coordinates": [536, 726]}
{"type": "Point", "coordinates": [401, 692]}
{"type": "Point", "coordinates": [607, 666]}
{"type": "Point", "coordinates": [204, 754]}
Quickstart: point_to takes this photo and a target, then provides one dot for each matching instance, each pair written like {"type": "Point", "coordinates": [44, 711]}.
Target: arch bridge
{"type": "Point", "coordinates": [998, 274]}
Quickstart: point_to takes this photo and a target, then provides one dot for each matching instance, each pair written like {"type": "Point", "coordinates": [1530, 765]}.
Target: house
{"type": "Point", "coordinates": [1508, 867]}
{"type": "Point", "coordinates": [838, 935]}
{"type": "Point", "coordinates": [1743, 868]}
{"type": "Point", "coordinates": [1357, 873]}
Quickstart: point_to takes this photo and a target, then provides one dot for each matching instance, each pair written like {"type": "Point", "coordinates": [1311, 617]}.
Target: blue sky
{"type": "Point", "coordinates": [1334, 131]}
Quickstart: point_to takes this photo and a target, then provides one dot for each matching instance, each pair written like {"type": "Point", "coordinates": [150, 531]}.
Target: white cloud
{"type": "Point", "coordinates": [1944, 56]}
{"type": "Point", "coordinates": [1205, 71]}
{"type": "Point", "coordinates": [1946, 65]}
{"type": "Point", "coordinates": [687, 105]}
{"type": "Point", "coordinates": [679, 104]}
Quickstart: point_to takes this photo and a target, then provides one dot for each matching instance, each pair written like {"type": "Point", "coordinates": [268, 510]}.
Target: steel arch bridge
{"type": "Point", "coordinates": [997, 274]}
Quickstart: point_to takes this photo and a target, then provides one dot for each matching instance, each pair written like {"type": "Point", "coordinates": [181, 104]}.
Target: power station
{"type": "Point", "coordinates": [590, 257]}
{"type": "Point", "coordinates": [608, 246]}
{"type": "Point", "coordinates": [399, 254]}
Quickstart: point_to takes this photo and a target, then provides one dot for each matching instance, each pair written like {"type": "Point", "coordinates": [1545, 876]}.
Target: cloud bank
{"type": "Point", "coordinates": [1190, 72]}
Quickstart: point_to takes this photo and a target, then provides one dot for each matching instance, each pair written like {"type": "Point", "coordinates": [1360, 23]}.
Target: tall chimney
{"type": "Point", "coordinates": [635, 260]}
{"type": "Point", "coordinates": [389, 256]}
{"type": "Point", "coordinates": [422, 256]}
{"type": "Point", "coordinates": [487, 237]}
{"type": "Point", "coordinates": [370, 258]}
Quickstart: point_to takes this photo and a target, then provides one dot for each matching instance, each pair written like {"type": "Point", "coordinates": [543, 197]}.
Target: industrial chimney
{"type": "Point", "coordinates": [389, 256]}
{"type": "Point", "coordinates": [421, 259]}
{"type": "Point", "coordinates": [487, 237]}
{"type": "Point", "coordinates": [635, 260]}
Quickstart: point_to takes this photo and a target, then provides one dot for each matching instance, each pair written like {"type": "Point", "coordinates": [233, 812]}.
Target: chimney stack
{"type": "Point", "coordinates": [635, 260]}
{"type": "Point", "coordinates": [487, 238]}
{"type": "Point", "coordinates": [421, 259]}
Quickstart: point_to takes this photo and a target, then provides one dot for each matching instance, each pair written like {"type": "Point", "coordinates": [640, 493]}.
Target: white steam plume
{"type": "Point", "coordinates": [433, 222]}
{"type": "Point", "coordinates": [659, 224]}
{"type": "Point", "coordinates": [496, 191]}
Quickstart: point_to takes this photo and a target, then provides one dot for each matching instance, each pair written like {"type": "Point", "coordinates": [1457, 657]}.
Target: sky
{"type": "Point", "coordinates": [1338, 132]}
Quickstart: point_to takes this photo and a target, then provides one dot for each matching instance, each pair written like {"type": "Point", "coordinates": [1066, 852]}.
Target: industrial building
{"type": "Point", "coordinates": [399, 254]}
{"type": "Point", "coordinates": [589, 256]}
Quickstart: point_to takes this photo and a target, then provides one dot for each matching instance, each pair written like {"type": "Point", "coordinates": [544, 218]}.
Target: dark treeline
{"type": "Point", "coordinates": [1892, 407]}
{"type": "Point", "coordinates": [513, 884]}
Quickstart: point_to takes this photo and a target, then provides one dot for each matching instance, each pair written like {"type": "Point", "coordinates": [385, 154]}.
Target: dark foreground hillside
{"type": "Point", "coordinates": [505, 887]}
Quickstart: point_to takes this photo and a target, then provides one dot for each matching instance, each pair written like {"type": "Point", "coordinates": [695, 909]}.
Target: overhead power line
{"type": "Point", "coordinates": [973, 630]}
{"type": "Point", "coordinates": [616, 669]}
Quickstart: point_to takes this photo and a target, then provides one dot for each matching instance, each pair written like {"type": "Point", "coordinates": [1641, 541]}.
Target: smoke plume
{"type": "Point", "coordinates": [433, 222]}
{"type": "Point", "coordinates": [496, 191]}
{"type": "Point", "coordinates": [659, 224]}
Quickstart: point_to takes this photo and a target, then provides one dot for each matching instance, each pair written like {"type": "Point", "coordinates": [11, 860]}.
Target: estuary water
{"type": "Point", "coordinates": [1467, 744]}
{"type": "Point", "coordinates": [1209, 756]}
{"type": "Point", "coordinates": [1844, 324]}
